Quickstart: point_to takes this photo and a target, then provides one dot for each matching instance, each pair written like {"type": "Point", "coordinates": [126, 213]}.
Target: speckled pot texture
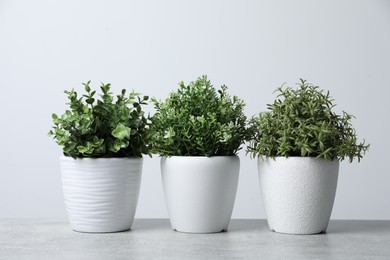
{"type": "Point", "coordinates": [298, 193]}
{"type": "Point", "coordinates": [101, 194]}
{"type": "Point", "coordinates": [200, 191]}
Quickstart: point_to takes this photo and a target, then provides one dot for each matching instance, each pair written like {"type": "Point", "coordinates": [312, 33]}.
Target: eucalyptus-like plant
{"type": "Point", "coordinates": [301, 122]}
{"type": "Point", "coordinates": [198, 120]}
{"type": "Point", "coordinates": [102, 127]}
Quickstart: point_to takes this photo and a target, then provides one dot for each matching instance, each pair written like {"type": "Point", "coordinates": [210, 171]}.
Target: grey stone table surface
{"type": "Point", "coordinates": [154, 239]}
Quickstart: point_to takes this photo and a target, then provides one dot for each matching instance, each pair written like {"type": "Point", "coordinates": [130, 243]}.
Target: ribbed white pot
{"type": "Point", "coordinates": [298, 193]}
{"type": "Point", "coordinates": [200, 191]}
{"type": "Point", "coordinates": [101, 194]}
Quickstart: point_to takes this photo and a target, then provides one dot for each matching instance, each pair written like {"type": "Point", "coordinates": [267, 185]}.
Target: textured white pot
{"type": "Point", "coordinates": [298, 193]}
{"type": "Point", "coordinates": [200, 191]}
{"type": "Point", "coordinates": [101, 194]}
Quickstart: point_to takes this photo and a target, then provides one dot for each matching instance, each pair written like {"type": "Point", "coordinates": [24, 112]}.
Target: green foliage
{"type": "Point", "coordinates": [301, 122]}
{"type": "Point", "coordinates": [198, 120]}
{"type": "Point", "coordinates": [96, 127]}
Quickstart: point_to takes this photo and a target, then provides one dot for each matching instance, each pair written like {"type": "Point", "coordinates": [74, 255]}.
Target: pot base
{"type": "Point", "coordinates": [304, 233]}
{"type": "Point", "coordinates": [200, 232]}
{"type": "Point", "coordinates": [102, 232]}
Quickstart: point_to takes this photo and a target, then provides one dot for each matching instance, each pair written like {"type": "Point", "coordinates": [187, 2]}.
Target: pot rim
{"type": "Point", "coordinates": [293, 158]}
{"type": "Point", "coordinates": [200, 157]}
{"type": "Point", "coordinates": [69, 158]}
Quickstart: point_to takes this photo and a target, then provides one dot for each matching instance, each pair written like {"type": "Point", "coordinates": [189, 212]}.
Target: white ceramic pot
{"type": "Point", "coordinates": [101, 194]}
{"type": "Point", "coordinates": [200, 191]}
{"type": "Point", "coordinates": [298, 193]}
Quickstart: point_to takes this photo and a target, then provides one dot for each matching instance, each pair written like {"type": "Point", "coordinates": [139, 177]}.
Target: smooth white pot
{"type": "Point", "coordinates": [200, 191]}
{"type": "Point", "coordinates": [101, 194]}
{"type": "Point", "coordinates": [298, 193]}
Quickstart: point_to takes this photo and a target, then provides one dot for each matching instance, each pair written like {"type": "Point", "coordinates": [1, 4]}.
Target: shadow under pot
{"type": "Point", "coordinates": [200, 191]}
{"type": "Point", "coordinates": [298, 193]}
{"type": "Point", "coordinates": [101, 194]}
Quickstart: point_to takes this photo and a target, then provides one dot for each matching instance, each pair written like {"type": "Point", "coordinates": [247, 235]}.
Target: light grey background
{"type": "Point", "coordinates": [252, 46]}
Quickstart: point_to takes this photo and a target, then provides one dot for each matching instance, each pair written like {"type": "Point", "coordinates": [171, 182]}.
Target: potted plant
{"type": "Point", "coordinates": [198, 131]}
{"type": "Point", "coordinates": [299, 142]}
{"type": "Point", "coordinates": [103, 141]}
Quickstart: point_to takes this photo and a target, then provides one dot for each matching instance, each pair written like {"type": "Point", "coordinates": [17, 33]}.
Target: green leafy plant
{"type": "Point", "coordinates": [100, 127]}
{"type": "Point", "coordinates": [198, 120]}
{"type": "Point", "coordinates": [301, 122]}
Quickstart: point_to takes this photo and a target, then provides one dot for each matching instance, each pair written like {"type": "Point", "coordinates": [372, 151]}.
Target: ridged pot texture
{"type": "Point", "coordinates": [101, 194]}
{"type": "Point", "coordinates": [298, 193]}
{"type": "Point", "coordinates": [200, 191]}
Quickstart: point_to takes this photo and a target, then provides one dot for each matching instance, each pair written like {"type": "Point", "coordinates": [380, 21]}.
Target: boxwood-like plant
{"type": "Point", "coordinates": [199, 120]}
{"type": "Point", "coordinates": [103, 127]}
{"type": "Point", "coordinates": [301, 122]}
